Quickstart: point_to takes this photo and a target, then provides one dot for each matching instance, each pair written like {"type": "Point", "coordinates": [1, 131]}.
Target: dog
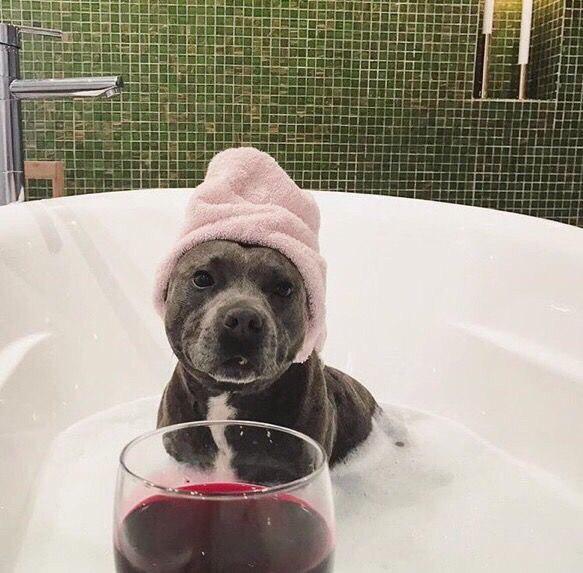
{"type": "Point", "coordinates": [235, 318]}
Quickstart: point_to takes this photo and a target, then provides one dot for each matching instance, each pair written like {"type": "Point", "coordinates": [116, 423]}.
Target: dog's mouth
{"type": "Point", "coordinates": [237, 368]}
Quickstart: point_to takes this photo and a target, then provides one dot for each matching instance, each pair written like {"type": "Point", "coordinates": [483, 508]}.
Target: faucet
{"type": "Point", "coordinates": [13, 90]}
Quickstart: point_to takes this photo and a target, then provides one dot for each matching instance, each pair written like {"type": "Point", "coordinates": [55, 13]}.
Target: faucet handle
{"type": "Point", "coordinates": [41, 31]}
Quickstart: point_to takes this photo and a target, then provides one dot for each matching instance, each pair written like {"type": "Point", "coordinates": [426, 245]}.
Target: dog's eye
{"type": "Point", "coordinates": [202, 279]}
{"type": "Point", "coordinates": [284, 289]}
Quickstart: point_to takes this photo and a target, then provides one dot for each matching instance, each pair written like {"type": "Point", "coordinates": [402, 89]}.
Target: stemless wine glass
{"type": "Point", "coordinates": [223, 497]}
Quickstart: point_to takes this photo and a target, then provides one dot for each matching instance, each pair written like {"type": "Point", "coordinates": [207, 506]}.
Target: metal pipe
{"type": "Point", "coordinates": [11, 159]}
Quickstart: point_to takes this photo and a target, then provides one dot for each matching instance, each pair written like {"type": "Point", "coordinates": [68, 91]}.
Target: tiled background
{"type": "Point", "coordinates": [368, 96]}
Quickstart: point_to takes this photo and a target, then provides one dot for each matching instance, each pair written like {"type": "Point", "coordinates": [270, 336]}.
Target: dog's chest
{"type": "Point", "coordinates": [218, 408]}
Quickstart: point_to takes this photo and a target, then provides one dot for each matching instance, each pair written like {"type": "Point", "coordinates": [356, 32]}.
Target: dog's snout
{"type": "Point", "coordinates": [243, 322]}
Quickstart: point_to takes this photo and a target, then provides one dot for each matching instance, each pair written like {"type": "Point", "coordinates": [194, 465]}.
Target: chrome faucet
{"type": "Point", "coordinates": [13, 90]}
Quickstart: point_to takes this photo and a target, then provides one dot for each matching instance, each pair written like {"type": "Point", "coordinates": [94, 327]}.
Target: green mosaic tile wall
{"type": "Point", "coordinates": [368, 96]}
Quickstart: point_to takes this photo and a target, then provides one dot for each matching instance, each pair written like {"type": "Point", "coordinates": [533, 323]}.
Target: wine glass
{"type": "Point", "coordinates": [223, 497]}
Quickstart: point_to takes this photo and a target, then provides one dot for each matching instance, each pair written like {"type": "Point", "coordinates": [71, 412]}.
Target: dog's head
{"type": "Point", "coordinates": [235, 314]}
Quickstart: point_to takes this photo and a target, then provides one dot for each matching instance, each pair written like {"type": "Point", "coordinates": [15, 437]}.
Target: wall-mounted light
{"type": "Point", "coordinates": [487, 28]}
{"type": "Point", "coordinates": [524, 49]}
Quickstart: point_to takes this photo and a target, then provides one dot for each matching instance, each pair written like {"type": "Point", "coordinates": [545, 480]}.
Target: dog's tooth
{"type": "Point", "coordinates": [242, 361]}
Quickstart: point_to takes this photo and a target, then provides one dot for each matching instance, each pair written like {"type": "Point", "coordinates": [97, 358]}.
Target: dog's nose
{"type": "Point", "coordinates": [243, 322]}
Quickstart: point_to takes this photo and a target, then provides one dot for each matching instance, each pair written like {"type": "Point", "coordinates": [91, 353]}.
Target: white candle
{"type": "Point", "coordinates": [525, 27]}
{"type": "Point", "coordinates": [488, 16]}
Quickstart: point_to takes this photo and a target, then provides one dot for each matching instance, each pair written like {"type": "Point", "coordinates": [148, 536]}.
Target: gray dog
{"type": "Point", "coordinates": [235, 317]}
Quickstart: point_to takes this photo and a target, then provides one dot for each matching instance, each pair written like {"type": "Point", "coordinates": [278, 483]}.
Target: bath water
{"type": "Point", "coordinates": [445, 502]}
{"type": "Point", "coordinates": [272, 533]}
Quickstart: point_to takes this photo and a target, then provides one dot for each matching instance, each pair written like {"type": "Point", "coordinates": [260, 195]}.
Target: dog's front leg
{"type": "Point", "coordinates": [195, 445]}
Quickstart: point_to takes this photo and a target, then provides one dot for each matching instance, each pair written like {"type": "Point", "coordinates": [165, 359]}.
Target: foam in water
{"type": "Point", "coordinates": [446, 502]}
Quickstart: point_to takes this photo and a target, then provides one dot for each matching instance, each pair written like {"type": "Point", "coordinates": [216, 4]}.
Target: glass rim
{"type": "Point", "coordinates": [322, 462]}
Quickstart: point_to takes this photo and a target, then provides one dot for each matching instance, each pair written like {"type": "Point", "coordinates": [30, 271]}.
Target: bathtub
{"type": "Point", "coordinates": [471, 314]}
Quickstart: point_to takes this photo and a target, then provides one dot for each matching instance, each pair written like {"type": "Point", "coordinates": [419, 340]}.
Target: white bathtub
{"type": "Point", "coordinates": [472, 314]}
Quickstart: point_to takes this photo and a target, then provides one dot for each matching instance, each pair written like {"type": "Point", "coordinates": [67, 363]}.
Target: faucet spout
{"type": "Point", "coordinates": [107, 86]}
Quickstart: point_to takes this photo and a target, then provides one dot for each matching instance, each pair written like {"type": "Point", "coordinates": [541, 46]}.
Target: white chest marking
{"type": "Point", "coordinates": [218, 409]}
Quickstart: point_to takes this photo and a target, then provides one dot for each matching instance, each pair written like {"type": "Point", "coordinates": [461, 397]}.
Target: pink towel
{"type": "Point", "coordinates": [247, 197]}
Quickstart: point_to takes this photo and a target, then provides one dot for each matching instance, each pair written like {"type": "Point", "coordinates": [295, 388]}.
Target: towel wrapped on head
{"type": "Point", "coordinates": [248, 198]}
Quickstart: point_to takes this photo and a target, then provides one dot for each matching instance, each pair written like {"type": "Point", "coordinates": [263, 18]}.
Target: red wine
{"type": "Point", "coordinates": [266, 534]}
